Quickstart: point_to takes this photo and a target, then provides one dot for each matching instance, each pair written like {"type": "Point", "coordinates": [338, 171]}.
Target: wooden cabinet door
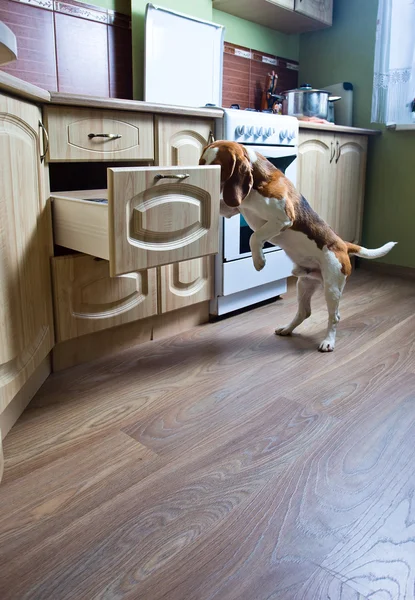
{"type": "Point", "coordinates": [180, 141]}
{"type": "Point", "coordinates": [159, 215]}
{"type": "Point", "coordinates": [317, 173]}
{"type": "Point", "coordinates": [320, 10]}
{"type": "Point", "coordinates": [350, 162]}
{"type": "Point", "coordinates": [186, 283]}
{"type": "Point", "coordinates": [87, 299]}
{"type": "Point", "coordinates": [26, 329]}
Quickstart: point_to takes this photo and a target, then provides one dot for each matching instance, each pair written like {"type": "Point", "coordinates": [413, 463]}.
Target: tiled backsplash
{"type": "Point", "coordinates": [70, 46]}
{"type": "Point", "coordinates": [245, 71]}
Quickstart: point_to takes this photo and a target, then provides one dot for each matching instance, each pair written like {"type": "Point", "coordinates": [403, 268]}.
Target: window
{"type": "Point", "coordinates": [394, 76]}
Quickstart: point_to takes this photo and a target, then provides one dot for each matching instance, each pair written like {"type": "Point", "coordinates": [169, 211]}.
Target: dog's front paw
{"type": "Point", "coordinates": [326, 346]}
{"type": "Point", "coordinates": [283, 330]}
{"type": "Point", "coordinates": [259, 261]}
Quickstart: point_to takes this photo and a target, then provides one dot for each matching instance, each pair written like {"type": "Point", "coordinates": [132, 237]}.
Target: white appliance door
{"type": "Point", "coordinates": [236, 231]}
{"type": "Point", "coordinates": [183, 59]}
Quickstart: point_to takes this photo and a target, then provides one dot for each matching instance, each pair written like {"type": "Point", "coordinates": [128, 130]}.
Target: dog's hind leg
{"type": "Point", "coordinates": [333, 289]}
{"type": "Point", "coordinates": [306, 287]}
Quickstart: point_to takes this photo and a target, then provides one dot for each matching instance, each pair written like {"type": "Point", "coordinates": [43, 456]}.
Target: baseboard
{"type": "Point", "coordinates": [387, 269]}
{"type": "Point", "coordinates": [15, 408]}
{"type": "Point", "coordinates": [109, 341]}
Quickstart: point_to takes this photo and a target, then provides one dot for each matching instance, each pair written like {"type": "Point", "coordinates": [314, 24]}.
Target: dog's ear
{"type": "Point", "coordinates": [237, 178]}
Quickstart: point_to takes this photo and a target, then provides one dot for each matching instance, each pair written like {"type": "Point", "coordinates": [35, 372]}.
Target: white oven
{"type": "Point", "coordinates": [237, 283]}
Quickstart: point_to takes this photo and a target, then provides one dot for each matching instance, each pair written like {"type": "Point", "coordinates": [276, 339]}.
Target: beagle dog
{"type": "Point", "coordinates": [279, 214]}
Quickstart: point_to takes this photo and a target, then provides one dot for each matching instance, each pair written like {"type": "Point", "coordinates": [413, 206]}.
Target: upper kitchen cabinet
{"type": "Point", "coordinates": [288, 16]}
{"type": "Point", "coordinates": [320, 10]}
{"type": "Point", "coordinates": [26, 322]}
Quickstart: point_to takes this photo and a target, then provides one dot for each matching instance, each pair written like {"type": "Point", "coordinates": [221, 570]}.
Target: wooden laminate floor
{"type": "Point", "coordinates": [224, 464]}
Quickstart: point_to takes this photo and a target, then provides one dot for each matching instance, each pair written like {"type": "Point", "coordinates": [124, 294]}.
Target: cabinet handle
{"type": "Point", "coordinates": [110, 136]}
{"type": "Point", "coordinates": [211, 138]}
{"type": "Point", "coordinates": [181, 176]}
{"type": "Point", "coordinates": [46, 145]}
{"type": "Point", "coordinates": [338, 152]}
{"type": "Point", "coordinates": [332, 152]}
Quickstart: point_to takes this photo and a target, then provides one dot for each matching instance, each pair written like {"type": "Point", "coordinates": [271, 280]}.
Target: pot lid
{"type": "Point", "coordinates": [307, 89]}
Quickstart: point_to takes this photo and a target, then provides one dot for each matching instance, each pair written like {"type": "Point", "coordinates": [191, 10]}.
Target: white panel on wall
{"type": "Point", "coordinates": [183, 59]}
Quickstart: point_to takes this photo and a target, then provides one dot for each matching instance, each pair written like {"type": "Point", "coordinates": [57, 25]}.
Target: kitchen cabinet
{"type": "Point", "coordinates": [287, 16]}
{"type": "Point", "coordinates": [331, 176]}
{"type": "Point", "coordinates": [91, 135]}
{"type": "Point", "coordinates": [87, 299]}
{"type": "Point", "coordinates": [186, 283]}
{"type": "Point", "coordinates": [26, 322]}
{"type": "Point", "coordinates": [320, 10]}
{"type": "Point", "coordinates": [148, 217]}
{"type": "Point", "coordinates": [180, 142]}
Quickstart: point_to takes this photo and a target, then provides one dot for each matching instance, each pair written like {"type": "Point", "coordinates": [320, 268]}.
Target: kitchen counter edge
{"type": "Point", "coordinates": [338, 128]}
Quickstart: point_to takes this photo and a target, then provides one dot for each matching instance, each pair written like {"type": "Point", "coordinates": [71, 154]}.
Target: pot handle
{"type": "Point", "coordinates": [334, 98]}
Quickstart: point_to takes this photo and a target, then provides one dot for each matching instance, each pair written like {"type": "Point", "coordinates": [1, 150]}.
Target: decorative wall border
{"type": "Point", "coordinates": [82, 11]}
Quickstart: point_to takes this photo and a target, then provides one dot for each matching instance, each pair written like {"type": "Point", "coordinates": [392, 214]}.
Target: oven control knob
{"type": "Point", "coordinates": [268, 132]}
{"type": "Point", "coordinates": [291, 136]}
{"type": "Point", "coordinates": [259, 132]}
{"type": "Point", "coordinates": [283, 135]}
{"type": "Point", "coordinates": [251, 131]}
{"type": "Point", "coordinates": [240, 130]}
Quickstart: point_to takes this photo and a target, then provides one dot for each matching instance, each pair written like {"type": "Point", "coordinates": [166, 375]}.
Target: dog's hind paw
{"type": "Point", "coordinates": [283, 330]}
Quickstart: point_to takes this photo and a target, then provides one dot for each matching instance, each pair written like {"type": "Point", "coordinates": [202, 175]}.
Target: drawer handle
{"type": "Point", "coordinates": [110, 136]}
{"type": "Point", "coordinates": [46, 137]}
{"type": "Point", "coordinates": [181, 176]}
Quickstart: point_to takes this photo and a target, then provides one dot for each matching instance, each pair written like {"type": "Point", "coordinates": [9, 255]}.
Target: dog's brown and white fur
{"type": "Point", "coordinates": [277, 213]}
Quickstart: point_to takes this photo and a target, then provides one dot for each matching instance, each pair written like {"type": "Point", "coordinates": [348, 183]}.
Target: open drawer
{"type": "Point", "coordinates": [148, 217]}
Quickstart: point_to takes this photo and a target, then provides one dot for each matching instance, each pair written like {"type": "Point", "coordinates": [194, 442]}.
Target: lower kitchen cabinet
{"type": "Point", "coordinates": [88, 300]}
{"type": "Point", "coordinates": [180, 142]}
{"type": "Point", "coordinates": [186, 283]}
{"type": "Point", "coordinates": [26, 321]}
{"type": "Point", "coordinates": [331, 176]}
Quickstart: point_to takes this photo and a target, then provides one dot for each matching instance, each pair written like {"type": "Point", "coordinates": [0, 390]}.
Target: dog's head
{"type": "Point", "coordinates": [236, 171]}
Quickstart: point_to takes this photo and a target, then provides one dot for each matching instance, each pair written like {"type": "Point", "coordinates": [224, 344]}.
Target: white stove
{"type": "Point", "coordinates": [237, 283]}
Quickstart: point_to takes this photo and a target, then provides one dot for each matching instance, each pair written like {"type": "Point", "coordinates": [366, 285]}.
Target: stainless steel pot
{"type": "Point", "coordinates": [307, 102]}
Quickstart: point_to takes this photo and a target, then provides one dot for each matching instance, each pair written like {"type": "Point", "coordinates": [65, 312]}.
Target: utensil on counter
{"type": "Point", "coordinates": [306, 101]}
{"type": "Point", "coordinates": [271, 101]}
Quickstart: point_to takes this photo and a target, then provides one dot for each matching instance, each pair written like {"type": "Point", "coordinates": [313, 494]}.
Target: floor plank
{"type": "Point", "coordinates": [224, 463]}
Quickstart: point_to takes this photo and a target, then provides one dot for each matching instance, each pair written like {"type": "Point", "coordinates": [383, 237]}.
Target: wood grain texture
{"type": "Point", "coordinates": [87, 299]}
{"type": "Point", "coordinates": [224, 463]}
{"type": "Point", "coordinates": [108, 342]}
{"type": "Point", "coordinates": [69, 130]}
{"type": "Point", "coordinates": [154, 222]}
{"type": "Point", "coordinates": [180, 142]}
{"type": "Point", "coordinates": [186, 283]}
{"type": "Point", "coordinates": [26, 321]}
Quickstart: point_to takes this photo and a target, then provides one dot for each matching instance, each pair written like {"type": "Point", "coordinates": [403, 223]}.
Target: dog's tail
{"type": "Point", "coordinates": [356, 250]}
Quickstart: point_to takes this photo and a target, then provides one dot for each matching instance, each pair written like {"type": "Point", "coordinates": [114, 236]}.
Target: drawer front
{"type": "Point", "coordinates": [87, 299]}
{"type": "Point", "coordinates": [186, 283]}
{"type": "Point", "coordinates": [77, 134]}
{"type": "Point", "coordinates": [159, 216]}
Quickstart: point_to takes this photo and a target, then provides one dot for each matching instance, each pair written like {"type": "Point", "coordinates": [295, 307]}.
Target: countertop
{"type": "Point", "coordinates": [338, 128]}
{"type": "Point", "coordinates": [18, 87]}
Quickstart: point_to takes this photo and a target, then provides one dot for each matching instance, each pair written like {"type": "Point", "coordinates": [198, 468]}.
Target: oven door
{"type": "Point", "coordinates": [236, 231]}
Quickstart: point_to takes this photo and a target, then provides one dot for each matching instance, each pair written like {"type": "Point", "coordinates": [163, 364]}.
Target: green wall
{"type": "Point", "coordinates": [345, 52]}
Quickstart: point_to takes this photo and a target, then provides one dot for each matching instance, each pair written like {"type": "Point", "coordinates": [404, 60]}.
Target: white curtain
{"type": "Point", "coordinates": [394, 77]}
